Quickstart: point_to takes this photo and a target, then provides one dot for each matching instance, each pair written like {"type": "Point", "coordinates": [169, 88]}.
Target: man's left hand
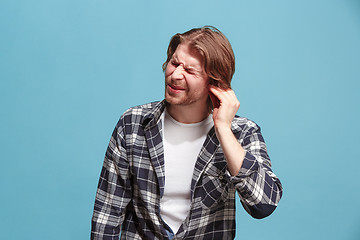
{"type": "Point", "coordinates": [225, 105]}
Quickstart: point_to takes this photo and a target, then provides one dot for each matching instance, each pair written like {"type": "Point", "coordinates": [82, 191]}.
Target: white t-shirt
{"type": "Point", "coordinates": [182, 144]}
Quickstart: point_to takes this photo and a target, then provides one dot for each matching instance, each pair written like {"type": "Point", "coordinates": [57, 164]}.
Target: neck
{"type": "Point", "coordinates": [187, 113]}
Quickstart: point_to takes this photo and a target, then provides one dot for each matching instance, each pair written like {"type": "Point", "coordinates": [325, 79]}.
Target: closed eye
{"type": "Point", "coordinates": [175, 63]}
{"type": "Point", "coordinates": [190, 70]}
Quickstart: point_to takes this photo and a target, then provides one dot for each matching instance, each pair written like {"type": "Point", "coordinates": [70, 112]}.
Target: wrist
{"type": "Point", "coordinates": [223, 129]}
{"type": "Point", "coordinates": [223, 132]}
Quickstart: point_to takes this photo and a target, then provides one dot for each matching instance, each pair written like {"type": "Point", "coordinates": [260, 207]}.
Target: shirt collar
{"type": "Point", "coordinates": [153, 117]}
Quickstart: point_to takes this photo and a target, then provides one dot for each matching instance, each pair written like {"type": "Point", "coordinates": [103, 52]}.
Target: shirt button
{"type": "Point", "coordinates": [221, 177]}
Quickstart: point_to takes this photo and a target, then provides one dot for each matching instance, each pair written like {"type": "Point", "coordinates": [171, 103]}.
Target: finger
{"type": "Point", "coordinates": [226, 97]}
{"type": "Point", "coordinates": [218, 92]}
{"type": "Point", "coordinates": [229, 94]}
{"type": "Point", "coordinates": [232, 96]}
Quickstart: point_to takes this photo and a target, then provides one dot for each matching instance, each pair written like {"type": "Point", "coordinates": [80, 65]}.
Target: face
{"type": "Point", "coordinates": [186, 82]}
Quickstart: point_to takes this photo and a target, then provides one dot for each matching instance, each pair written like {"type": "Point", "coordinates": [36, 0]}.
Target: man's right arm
{"type": "Point", "coordinates": [114, 190]}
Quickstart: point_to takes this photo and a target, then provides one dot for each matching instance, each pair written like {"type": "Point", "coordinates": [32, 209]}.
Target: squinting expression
{"type": "Point", "coordinates": [186, 82]}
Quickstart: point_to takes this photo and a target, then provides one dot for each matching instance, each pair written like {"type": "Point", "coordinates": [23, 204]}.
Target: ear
{"type": "Point", "coordinates": [215, 101]}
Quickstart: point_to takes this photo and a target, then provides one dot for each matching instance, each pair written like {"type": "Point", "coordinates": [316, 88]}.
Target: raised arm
{"type": "Point", "coordinates": [246, 155]}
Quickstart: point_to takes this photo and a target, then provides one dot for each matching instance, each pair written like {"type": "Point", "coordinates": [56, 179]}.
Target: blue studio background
{"type": "Point", "coordinates": [70, 68]}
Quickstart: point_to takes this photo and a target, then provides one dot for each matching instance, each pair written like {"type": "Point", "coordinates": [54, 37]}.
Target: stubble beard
{"type": "Point", "coordinates": [185, 99]}
{"type": "Point", "coordinates": [178, 100]}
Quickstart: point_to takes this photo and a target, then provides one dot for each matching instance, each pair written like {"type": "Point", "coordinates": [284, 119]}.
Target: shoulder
{"type": "Point", "coordinates": [141, 110]}
{"type": "Point", "coordinates": [134, 120]}
{"type": "Point", "coordinates": [141, 114]}
{"type": "Point", "coordinates": [242, 124]}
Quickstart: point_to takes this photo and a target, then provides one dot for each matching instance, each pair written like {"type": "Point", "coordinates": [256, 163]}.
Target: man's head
{"type": "Point", "coordinates": [214, 47]}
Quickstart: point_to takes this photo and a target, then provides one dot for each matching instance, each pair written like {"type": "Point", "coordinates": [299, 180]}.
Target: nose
{"type": "Point", "coordinates": [178, 73]}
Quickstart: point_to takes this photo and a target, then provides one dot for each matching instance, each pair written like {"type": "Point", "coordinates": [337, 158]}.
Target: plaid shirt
{"type": "Point", "coordinates": [132, 182]}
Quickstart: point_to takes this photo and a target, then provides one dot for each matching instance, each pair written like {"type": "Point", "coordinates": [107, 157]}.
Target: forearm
{"type": "Point", "coordinates": [259, 188]}
{"type": "Point", "coordinates": [249, 164]}
{"type": "Point", "coordinates": [233, 151]}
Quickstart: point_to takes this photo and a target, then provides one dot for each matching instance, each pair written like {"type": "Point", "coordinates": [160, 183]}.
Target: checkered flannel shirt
{"type": "Point", "coordinates": [132, 182]}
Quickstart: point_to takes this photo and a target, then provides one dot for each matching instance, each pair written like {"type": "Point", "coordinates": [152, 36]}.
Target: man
{"type": "Point", "coordinates": [172, 167]}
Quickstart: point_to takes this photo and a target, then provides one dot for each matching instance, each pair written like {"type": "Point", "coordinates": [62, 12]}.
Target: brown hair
{"type": "Point", "coordinates": [219, 59]}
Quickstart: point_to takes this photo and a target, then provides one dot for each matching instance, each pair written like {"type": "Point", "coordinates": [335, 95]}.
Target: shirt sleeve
{"type": "Point", "coordinates": [259, 188]}
{"type": "Point", "coordinates": [114, 191]}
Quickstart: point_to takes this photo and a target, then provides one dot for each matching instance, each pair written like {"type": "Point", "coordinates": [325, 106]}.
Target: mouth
{"type": "Point", "coordinates": [175, 89]}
